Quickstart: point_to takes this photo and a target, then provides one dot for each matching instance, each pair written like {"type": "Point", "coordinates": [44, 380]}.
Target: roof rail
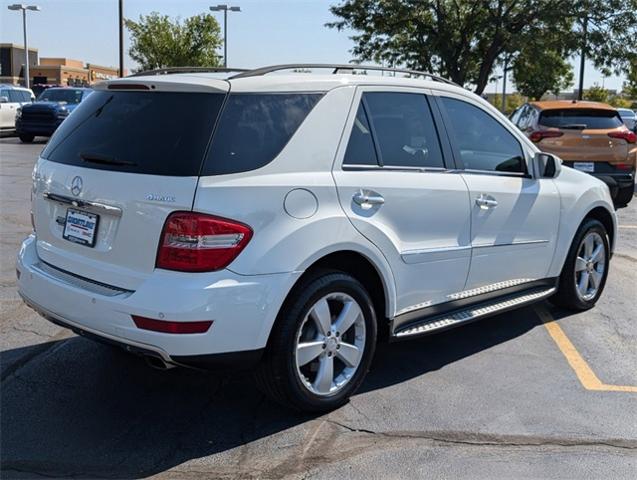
{"type": "Point", "coordinates": [336, 69]}
{"type": "Point", "coordinates": [170, 70]}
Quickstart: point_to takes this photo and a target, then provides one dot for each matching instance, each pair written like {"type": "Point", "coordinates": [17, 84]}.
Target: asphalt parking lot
{"type": "Point", "coordinates": [538, 392]}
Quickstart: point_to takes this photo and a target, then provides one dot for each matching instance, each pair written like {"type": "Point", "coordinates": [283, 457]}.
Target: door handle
{"type": "Point", "coordinates": [367, 199]}
{"type": "Point", "coordinates": [486, 202]}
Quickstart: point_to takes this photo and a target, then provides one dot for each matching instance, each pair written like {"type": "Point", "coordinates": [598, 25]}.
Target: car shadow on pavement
{"type": "Point", "coordinates": [77, 408]}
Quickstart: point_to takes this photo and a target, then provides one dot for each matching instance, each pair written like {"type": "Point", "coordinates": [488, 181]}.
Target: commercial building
{"type": "Point", "coordinates": [52, 71]}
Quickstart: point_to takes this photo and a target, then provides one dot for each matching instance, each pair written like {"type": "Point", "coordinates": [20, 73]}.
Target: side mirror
{"type": "Point", "coordinates": [4, 99]}
{"type": "Point", "coordinates": [546, 165]}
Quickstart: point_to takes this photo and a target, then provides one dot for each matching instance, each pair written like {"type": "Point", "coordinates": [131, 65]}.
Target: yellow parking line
{"type": "Point", "coordinates": [584, 373]}
{"type": "Point", "coordinates": [627, 226]}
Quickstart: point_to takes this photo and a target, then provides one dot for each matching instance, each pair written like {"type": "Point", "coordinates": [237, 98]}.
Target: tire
{"type": "Point", "coordinates": [624, 196]}
{"type": "Point", "coordinates": [26, 137]}
{"type": "Point", "coordinates": [578, 262]}
{"type": "Point", "coordinates": [286, 377]}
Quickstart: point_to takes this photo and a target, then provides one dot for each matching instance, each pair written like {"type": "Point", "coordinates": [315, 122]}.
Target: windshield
{"type": "Point", "coordinates": [68, 95]}
{"type": "Point", "coordinates": [624, 112]}
{"type": "Point", "coordinates": [580, 118]}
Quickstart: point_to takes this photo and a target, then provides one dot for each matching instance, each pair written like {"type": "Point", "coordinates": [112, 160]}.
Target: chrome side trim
{"type": "Point", "coordinates": [435, 254]}
{"type": "Point", "coordinates": [511, 244]}
{"type": "Point", "coordinates": [76, 202]}
{"type": "Point", "coordinates": [474, 313]}
{"type": "Point", "coordinates": [76, 281]}
{"type": "Point", "coordinates": [489, 288]}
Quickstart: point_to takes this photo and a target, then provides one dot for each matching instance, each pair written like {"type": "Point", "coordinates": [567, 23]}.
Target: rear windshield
{"type": "Point", "coordinates": [161, 133]}
{"type": "Point", "coordinates": [580, 118]}
{"type": "Point", "coordinates": [157, 133]}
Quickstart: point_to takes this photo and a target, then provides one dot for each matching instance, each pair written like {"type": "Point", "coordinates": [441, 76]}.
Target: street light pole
{"type": "Point", "coordinates": [225, 9]}
{"type": "Point", "coordinates": [121, 38]}
{"type": "Point", "coordinates": [24, 8]}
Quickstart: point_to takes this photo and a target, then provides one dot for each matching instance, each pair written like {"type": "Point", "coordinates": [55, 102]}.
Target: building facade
{"type": "Point", "coordinates": [48, 70]}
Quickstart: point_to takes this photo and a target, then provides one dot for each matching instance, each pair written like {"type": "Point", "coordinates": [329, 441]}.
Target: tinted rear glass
{"type": "Point", "coordinates": [157, 133]}
{"type": "Point", "coordinates": [580, 118]}
{"type": "Point", "coordinates": [254, 128]}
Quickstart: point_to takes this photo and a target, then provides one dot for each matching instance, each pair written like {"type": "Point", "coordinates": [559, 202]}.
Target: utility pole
{"type": "Point", "coordinates": [582, 61]}
{"type": "Point", "coordinates": [121, 38]}
{"type": "Point", "coordinates": [24, 8]}
{"type": "Point", "coordinates": [225, 9]}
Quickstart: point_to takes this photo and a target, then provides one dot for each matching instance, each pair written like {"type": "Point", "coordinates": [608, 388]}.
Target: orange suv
{"type": "Point", "coordinates": [587, 136]}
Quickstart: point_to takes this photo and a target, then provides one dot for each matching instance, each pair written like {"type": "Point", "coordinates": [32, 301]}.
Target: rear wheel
{"type": "Point", "coordinates": [321, 345]}
{"type": "Point", "coordinates": [584, 273]}
{"type": "Point", "coordinates": [624, 196]}
{"type": "Point", "coordinates": [26, 137]}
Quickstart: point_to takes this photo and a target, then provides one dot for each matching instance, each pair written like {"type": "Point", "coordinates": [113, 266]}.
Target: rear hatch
{"type": "Point", "coordinates": [582, 135]}
{"type": "Point", "coordinates": [126, 158]}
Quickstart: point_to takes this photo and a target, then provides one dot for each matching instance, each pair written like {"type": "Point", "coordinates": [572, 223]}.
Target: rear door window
{"type": "Point", "coordinates": [580, 118]}
{"type": "Point", "coordinates": [404, 129]}
{"type": "Point", "coordinates": [254, 128]}
{"type": "Point", "coordinates": [156, 133]}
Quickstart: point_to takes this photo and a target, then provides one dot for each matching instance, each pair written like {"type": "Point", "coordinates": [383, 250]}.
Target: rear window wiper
{"type": "Point", "coordinates": [103, 160]}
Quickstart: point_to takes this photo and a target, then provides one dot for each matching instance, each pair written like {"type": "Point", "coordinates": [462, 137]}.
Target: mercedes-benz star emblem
{"type": "Point", "coordinates": [76, 185]}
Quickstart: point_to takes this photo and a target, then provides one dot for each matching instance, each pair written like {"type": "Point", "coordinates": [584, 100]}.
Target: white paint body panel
{"type": "Point", "coordinates": [427, 242]}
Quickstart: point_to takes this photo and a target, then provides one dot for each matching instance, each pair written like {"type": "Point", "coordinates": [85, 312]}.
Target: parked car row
{"type": "Point", "coordinates": [22, 114]}
{"type": "Point", "coordinates": [589, 136]}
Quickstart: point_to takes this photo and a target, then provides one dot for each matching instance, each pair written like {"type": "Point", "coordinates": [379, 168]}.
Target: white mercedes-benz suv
{"type": "Point", "coordinates": [286, 221]}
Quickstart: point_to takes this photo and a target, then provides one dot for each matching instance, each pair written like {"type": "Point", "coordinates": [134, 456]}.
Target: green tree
{"type": "Point", "coordinates": [540, 70]}
{"type": "Point", "coordinates": [630, 85]}
{"type": "Point", "coordinates": [463, 39]}
{"type": "Point", "coordinates": [160, 42]}
{"type": "Point", "coordinates": [597, 93]}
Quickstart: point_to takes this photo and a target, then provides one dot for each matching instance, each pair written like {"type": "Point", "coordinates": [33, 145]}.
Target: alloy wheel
{"type": "Point", "coordinates": [330, 343]}
{"type": "Point", "coordinates": [590, 265]}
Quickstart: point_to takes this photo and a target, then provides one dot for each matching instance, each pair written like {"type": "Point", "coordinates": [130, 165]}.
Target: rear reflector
{"type": "Point", "coordinates": [624, 134]}
{"type": "Point", "coordinates": [165, 326]}
{"type": "Point", "coordinates": [540, 134]}
{"type": "Point", "coordinates": [196, 242]}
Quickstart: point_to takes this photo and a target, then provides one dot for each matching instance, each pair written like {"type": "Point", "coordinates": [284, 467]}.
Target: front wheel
{"type": "Point", "coordinates": [584, 273]}
{"type": "Point", "coordinates": [322, 344]}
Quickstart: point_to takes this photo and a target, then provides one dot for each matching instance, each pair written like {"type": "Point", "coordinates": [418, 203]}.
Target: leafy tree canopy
{"type": "Point", "coordinates": [597, 93]}
{"type": "Point", "coordinates": [463, 39]}
{"type": "Point", "coordinates": [540, 70]}
{"type": "Point", "coordinates": [160, 42]}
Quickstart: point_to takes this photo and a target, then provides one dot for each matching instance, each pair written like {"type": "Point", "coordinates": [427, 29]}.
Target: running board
{"type": "Point", "coordinates": [471, 313]}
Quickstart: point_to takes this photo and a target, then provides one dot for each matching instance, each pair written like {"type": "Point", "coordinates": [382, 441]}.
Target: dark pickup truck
{"type": "Point", "coordinates": [44, 116]}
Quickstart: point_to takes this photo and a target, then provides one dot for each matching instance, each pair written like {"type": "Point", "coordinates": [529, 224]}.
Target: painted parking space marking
{"type": "Point", "coordinates": [584, 373]}
{"type": "Point", "coordinates": [628, 226]}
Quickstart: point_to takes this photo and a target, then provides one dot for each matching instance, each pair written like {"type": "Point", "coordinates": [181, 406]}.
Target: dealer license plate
{"type": "Point", "coordinates": [81, 227]}
{"type": "Point", "coordinates": [584, 166]}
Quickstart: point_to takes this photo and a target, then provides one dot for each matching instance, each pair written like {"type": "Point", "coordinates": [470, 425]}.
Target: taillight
{"type": "Point", "coordinates": [540, 134]}
{"type": "Point", "coordinates": [623, 166]}
{"type": "Point", "coordinates": [196, 242]}
{"type": "Point", "coordinates": [624, 134]}
{"type": "Point", "coordinates": [167, 326]}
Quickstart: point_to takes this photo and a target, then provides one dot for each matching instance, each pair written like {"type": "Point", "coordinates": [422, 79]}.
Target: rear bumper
{"type": "Point", "coordinates": [242, 308]}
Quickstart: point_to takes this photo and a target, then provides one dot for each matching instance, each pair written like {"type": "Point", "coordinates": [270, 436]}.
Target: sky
{"type": "Point", "coordinates": [265, 32]}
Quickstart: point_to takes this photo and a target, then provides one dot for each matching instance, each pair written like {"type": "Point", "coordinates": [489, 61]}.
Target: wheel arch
{"type": "Point", "coordinates": [606, 218]}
